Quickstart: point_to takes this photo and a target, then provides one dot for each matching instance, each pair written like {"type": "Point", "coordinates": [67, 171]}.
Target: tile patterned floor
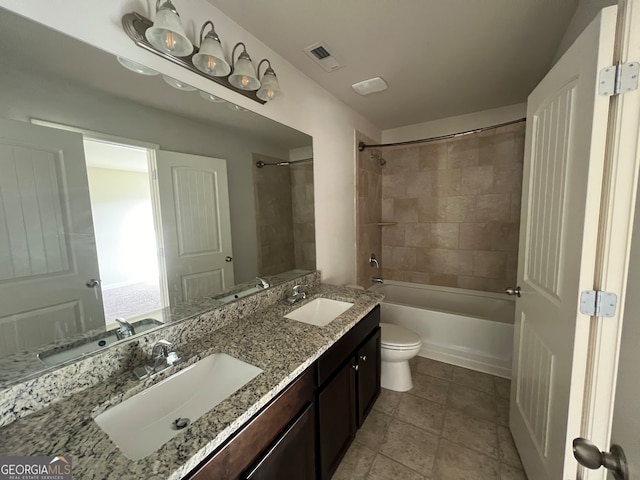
{"type": "Point", "coordinates": [451, 426]}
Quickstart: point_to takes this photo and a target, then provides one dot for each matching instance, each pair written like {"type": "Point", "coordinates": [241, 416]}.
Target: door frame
{"type": "Point", "coordinates": [622, 167]}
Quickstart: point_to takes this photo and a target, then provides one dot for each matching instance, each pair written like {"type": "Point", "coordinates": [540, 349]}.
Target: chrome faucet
{"type": "Point", "coordinates": [373, 261]}
{"type": "Point", "coordinates": [125, 329]}
{"type": "Point", "coordinates": [263, 283]}
{"type": "Point", "coordinates": [162, 357]}
{"type": "Point", "coordinates": [377, 280]}
{"type": "Point", "coordinates": [297, 295]}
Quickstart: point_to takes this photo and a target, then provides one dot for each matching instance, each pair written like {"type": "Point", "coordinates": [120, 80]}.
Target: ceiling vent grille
{"type": "Point", "coordinates": [319, 53]}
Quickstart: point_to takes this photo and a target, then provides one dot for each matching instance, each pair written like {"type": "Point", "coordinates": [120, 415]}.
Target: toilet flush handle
{"type": "Point", "coordinates": [513, 291]}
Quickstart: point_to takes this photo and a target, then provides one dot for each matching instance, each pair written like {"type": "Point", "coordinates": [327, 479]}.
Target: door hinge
{"type": "Point", "coordinates": [597, 303]}
{"type": "Point", "coordinates": [618, 79]}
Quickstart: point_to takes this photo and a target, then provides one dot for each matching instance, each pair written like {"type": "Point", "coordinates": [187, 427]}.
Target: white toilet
{"type": "Point", "coordinates": [398, 346]}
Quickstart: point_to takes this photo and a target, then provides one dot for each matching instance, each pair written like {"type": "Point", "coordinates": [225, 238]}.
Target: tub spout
{"type": "Point", "coordinates": [377, 280]}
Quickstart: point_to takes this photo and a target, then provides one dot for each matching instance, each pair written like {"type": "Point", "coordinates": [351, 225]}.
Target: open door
{"type": "Point", "coordinates": [47, 242]}
{"type": "Point", "coordinates": [196, 224]}
{"type": "Point", "coordinates": [562, 185]}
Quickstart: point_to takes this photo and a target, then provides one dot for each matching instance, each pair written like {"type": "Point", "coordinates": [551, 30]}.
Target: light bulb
{"type": "Point", "coordinates": [170, 40]}
{"type": "Point", "coordinates": [211, 63]}
{"type": "Point", "coordinates": [244, 81]}
{"type": "Point", "coordinates": [270, 94]}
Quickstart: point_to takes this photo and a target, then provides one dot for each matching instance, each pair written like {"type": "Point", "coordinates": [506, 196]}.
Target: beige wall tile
{"type": "Point", "coordinates": [430, 260]}
{"type": "Point", "coordinates": [418, 184]}
{"type": "Point", "coordinates": [432, 209]}
{"type": "Point", "coordinates": [405, 210]}
{"type": "Point", "coordinates": [493, 207]}
{"type": "Point", "coordinates": [444, 280]}
{"type": "Point", "coordinates": [508, 178]}
{"type": "Point", "coordinates": [497, 150]}
{"type": "Point", "coordinates": [416, 234]}
{"type": "Point", "coordinates": [393, 235]}
{"type": "Point", "coordinates": [476, 180]}
{"type": "Point", "coordinates": [445, 235]}
{"type": "Point", "coordinates": [463, 152]}
{"type": "Point", "coordinates": [403, 160]}
{"type": "Point", "coordinates": [432, 156]}
{"type": "Point", "coordinates": [393, 186]}
{"type": "Point", "coordinates": [420, 277]}
{"type": "Point", "coordinates": [515, 207]}
{"type": "Point", "coordinates": [403, 258]}
{"type": "Point", "coordinates": [477, 236]}
{"type": "Point", "coordinates": [387, 210]}
{"type": "Point", "coordinates": [489, 264]}
{"type": "Point", "coordinates": [447, 182]}
{"type": "Point", "coordinates": [458, 262]}
{"type": "Point", "coordinates": [460, 208]}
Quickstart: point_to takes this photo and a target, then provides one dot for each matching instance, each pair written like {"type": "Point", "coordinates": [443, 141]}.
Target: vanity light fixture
{"type": "Point", "coordinates": [243, 75]}
{"type": "Point", "coordinates": [210, 59]}
{"type": "Point", "coordinates": [269, 86]}
{"type": "Point", "coordinates": [167, 33]}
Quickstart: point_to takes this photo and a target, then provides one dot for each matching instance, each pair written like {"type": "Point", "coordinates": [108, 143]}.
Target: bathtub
{"type": "Point", "coordinates": [467, 328]}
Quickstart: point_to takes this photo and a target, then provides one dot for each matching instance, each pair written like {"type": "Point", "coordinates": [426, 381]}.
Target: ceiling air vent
{"type": "Point", "coordinates": [319, 53]}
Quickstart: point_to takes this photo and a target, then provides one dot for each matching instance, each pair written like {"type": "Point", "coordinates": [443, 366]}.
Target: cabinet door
{"type": "Point", "coordinates": [292, 456]}
{"type": "Point", "coordinates": [368, 361]}
{"type": "Point", "coordinates": [337, 419]}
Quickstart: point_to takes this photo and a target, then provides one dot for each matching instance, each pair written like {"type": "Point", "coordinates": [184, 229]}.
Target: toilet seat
{"type": "Point", "coordinates": [398, 338]}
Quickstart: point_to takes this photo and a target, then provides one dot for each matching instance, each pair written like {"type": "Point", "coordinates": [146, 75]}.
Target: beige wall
{"type": "Point", "coordinates": [456, 208]}
{"type": "Point", "coordinates": [369, 211]}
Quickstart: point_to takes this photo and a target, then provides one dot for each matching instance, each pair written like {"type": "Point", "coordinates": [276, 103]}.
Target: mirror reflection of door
{"type": "Point", "coordinates": [120, 185]}
{"type": "Point", "coordinates": [47, 244]}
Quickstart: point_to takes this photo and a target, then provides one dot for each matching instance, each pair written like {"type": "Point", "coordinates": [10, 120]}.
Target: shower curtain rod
{"type": "Point", "coordinates": [261, 164]}
{"type": "Point", "coordinates": [362, 145]}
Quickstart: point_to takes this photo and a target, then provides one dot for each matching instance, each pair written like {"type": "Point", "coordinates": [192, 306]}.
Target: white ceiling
{"type": "Point", "coordinates": [440, 57]}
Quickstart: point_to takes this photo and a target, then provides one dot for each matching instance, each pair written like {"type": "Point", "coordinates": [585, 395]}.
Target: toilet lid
{"type": "Point", "coordinates": [395, 336]}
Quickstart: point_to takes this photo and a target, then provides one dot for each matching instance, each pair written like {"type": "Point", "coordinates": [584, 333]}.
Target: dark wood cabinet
{"type": "Point", "coordinates": [336, 418]}
{"type": "Point", "coordinates": [368, 362]}
{"type": "Point", "coordinates": [293, 454]}
{"type": "Point", "coordinates": [348, 386]}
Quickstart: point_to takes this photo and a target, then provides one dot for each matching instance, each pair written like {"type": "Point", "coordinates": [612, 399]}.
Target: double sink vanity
{"type": "Point", "coordinates": [263, 390]}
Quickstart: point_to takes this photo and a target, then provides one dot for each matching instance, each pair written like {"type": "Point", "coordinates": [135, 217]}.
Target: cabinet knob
{"type": "Point", "coordinates": [363, 358]}
{"type": "Point", "coordinates": [355, 367]}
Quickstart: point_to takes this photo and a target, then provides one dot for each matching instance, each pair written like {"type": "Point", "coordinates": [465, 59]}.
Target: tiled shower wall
{"type": "Point", "coordinates": [285, 217]}
{"type": "Point", "coordinates": [456, 208]}
{"type": "Point", "coordinates": [368, 211]}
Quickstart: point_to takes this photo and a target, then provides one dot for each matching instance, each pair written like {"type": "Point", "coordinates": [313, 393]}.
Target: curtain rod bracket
{"type": "Point", "coordinates": [362, 146]}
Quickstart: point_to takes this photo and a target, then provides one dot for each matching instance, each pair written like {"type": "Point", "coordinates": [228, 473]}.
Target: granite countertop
{"type": "Point", "coordinates": [281, 347]}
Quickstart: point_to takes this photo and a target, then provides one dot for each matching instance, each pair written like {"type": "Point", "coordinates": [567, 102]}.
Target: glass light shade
{"type": "Point", "coordinates": [167, 34]}
{"type": "Point", "coordinates": [136, 67]}
{"type": "Point", "coordinates": [175, 83]}
{"type": "Point", "coordinates": [210, 59]}
{"type": "Point", "coordinates": [237, 108]}
{"type": "Point", "coordinates": [211, 98]}
{"type": "Point", "coordinates": [270, 87]}
{"type": "Point", "coordinates": [244, 75]}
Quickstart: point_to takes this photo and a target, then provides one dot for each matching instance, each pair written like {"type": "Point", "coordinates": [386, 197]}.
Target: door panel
{"type": "Point", "coordinates": [562, 184]}
{"type": "Point", "coordinates": [194, 204]}
{"type": "Point", "coordinates": [47, 242]}
{"type": "Point", "coordinates": [368, 360]}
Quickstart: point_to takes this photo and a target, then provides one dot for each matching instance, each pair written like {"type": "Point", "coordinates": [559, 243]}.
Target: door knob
{"type": "Point", "coordinates": [589, 455]}
{"type": "Point", "coordinates": [363, 358]}
{"type": "Point", "coordinates": [355, 367]}
{"type": "Point", "coordinates": [92, 283]}
{"type": "Point", "coordinates": [513, 291]}
{"type": "Point", "coordinates": [228, 259]}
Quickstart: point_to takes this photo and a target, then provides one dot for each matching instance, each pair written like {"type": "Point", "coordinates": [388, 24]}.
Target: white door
{"type": "Point", "coordinates": [47, 243]}
{"type": "Point", "coordinates": [564, 158]}
{"type": "Point", "coordinates": [194, 204]}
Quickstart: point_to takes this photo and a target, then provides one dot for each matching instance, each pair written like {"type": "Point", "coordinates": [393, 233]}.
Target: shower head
{"type": "Point", "coordinates": [378, 157]}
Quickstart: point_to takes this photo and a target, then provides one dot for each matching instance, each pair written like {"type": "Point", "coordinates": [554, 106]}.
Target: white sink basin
{"type": "Point", "coordinates": [319, 312]}
{"type": "Point", "coordinates": [145, 422]}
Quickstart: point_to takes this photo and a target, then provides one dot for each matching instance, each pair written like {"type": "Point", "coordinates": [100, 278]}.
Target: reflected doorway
{"type": "Point", "coordinates": [123, 209]}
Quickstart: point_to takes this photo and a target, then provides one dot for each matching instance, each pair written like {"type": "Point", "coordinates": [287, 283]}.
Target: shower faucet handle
{"type": "Point", "coordinates": [373, 261]}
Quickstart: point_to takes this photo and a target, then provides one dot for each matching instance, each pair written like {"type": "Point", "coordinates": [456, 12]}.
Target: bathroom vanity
{"type": "Point", "coordinates": [296, 419]}
{"type": "Point", "coordinates": [332, 398]}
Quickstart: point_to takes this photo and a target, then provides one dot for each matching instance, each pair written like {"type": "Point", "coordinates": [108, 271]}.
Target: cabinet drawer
{"type": "Point", "coordinates": [230, 460]}
{"type": "Point", "coordinates": [344, 348]}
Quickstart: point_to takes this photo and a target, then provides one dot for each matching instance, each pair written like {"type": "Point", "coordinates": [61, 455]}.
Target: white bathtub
{"type": "Point", "coordinates": [467, 328]}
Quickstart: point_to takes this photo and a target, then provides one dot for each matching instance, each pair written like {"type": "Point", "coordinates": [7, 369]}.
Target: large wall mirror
{"type": "Point", "coordinates": [131, 196]}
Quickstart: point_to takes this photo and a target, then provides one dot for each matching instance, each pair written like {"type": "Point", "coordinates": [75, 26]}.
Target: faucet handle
{"type": "Point", "coordinates": [296, 288]}
{"type": "Point", "coordinates": [161, 349]}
